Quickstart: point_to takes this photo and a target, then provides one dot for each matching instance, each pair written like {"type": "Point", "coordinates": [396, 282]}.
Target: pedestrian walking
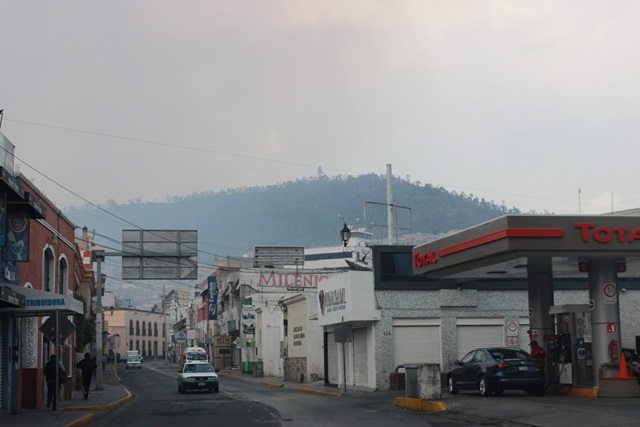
{"type": "Point", "coordinates": [87, 366]}
{"type": "Point", "coordinates": [53, 389]}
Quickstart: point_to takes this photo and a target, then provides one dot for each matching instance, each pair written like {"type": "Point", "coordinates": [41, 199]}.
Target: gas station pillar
{"type": "Point", "coordinates": [540, 292]}
{"type": "Point", "coordinates": [605, 316]}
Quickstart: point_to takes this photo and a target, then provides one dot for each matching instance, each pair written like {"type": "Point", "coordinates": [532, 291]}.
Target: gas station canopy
{"type": "Point", "coordinates": [509, 246]}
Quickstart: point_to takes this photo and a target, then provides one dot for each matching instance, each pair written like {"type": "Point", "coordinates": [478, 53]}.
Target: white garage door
{"type": "Point", "coordinates": [470, 337]}
{"type": "Point", "coordinates": [360, 365]}
{"type": "Point", "coordinates": [416, 343]}
{"type": "Point", "coordinates": [331, 354]}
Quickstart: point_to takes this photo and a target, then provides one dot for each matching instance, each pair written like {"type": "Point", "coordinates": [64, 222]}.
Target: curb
{"type": "Point", "coordinates": [324, 393]}
{"type": "Point", "coordinates": [268, 384]}
{"type": "Point", "coordinates": [108, 407]}
{"type": "Point", "coordinates": [82, 421]}
{"type": "Point", "coordinates": [419, 405]}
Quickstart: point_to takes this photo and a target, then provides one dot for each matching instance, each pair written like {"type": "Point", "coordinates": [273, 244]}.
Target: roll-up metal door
{"type": "Point", "coordinates": [416, 344]}
{"type": "Point", "coordinates": [2, 366]}
{"type": "Point", "coordinates": [470, 337]}
{"type": "Point", "coordinates": [331, 354]}
{"type": "Point", "coordinates": [360, 365]}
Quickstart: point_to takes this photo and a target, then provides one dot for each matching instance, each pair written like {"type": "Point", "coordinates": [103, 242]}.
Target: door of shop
{"type": "Point", "coordinates": [360, 365]}
{"type": "Point", "coordinates": [330, 359]}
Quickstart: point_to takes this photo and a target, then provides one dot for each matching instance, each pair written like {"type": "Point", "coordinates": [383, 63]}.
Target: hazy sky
{"type": "Point", "coordinates": [516, 101]}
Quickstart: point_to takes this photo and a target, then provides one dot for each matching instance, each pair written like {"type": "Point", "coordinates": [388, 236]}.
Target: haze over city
{"type": "Point", "coordinates": [533, 104]}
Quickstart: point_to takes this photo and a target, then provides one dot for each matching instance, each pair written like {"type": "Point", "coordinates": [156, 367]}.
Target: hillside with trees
{"type": "Point", "coordinates": [307, 212]}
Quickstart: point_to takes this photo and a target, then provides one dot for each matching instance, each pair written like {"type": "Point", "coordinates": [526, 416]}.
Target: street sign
{"type": "Point", "coordinates": [65, 327]}
{"type": "Point", "coordinates": [181, 337]}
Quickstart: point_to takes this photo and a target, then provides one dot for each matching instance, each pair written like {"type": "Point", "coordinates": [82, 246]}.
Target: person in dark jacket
{"type": "Point", "coordinates": [88, 367]}
{"type": "Point", "coordinates": [50, 376]}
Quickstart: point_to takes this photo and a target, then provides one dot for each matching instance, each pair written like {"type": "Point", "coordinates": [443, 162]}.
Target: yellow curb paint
{"type": "Point", "coordinates": [268, 384]}
{"type": "Point", "coordinates": [419, 405]}
{"type": "Point", "coordinates": [82, 421]}
{"type": "Point", "coordinates": [324, 393]}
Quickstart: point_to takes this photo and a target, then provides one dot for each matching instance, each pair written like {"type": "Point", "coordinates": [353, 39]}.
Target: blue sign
{"type": "Point", "coordinates": [212, 287]}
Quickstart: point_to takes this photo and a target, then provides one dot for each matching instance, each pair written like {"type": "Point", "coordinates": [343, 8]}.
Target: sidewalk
{"type": "Point", "coordinates": [74, 412]}
{"type": "Point", "coordinates": [315, 387]}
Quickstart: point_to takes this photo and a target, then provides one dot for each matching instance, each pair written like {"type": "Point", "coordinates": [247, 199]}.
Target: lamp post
{"type": "Point", "coordinates": [345, 235]}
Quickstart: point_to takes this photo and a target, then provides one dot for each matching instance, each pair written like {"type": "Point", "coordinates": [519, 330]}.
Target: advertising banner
{"type": "Point", "coordinates": [3, 216]}
{"type": "Point", "coordinates": [17, 240]}
{"type": "Point", "coordinates": [212, 287]}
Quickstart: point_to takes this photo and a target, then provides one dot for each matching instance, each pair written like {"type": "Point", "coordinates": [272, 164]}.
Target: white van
{"type": "Point", "coordinates": [194, 354]}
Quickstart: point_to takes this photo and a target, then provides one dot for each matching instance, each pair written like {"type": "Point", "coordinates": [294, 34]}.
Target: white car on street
{"type": "Point", "coordinates": [197, 376]}
{"type": "Point", "coordinates": [134, 362]}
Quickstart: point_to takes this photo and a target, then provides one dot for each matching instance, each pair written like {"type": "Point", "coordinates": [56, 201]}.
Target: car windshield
{"type": "Point", "coordinates": [509, 354]}
{"type": "Point", "coordinates": [198, 367]}
{"type": "Point", "coordinates": [196, 356]}
{"type": "Point", "coordinates": [134, 358]}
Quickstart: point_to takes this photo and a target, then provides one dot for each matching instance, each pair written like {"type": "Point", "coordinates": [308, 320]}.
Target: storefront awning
{"type": "Point", "coordinates": [10, 298]}
{"type": "Point", "coordinates": [41, 303]}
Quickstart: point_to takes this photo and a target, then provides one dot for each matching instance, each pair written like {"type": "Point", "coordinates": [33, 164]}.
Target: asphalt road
{"type": "Point", "coordinates": [246, 403]}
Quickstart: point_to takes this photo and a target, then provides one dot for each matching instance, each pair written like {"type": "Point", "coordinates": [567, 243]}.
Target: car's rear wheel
{"type": "Point", "coordinates": [452, 386]}
{"type": "Point", "coordinates": [179, 388]}
{"type": "Point", "coordinates": [483, 387]}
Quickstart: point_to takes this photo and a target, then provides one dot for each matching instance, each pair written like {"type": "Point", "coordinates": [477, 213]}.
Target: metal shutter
{"type": "Point", "coordinates": [360, 365]}
{"type": "Point", "coordinates": [331, 353]}
{"type": "Point", "coordinates": [471, 337]}
{"type": "Point", "coordinates": [416, 344]}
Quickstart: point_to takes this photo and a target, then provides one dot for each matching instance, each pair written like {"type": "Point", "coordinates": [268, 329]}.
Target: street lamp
{"type": "Point", "coordinates": [345, 235]}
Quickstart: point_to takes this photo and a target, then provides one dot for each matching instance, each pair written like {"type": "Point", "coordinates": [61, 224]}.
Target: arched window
{"type": "Point", "coordinates": [48, 271]}
{"type": "Point", "coordinates": [63, 276]}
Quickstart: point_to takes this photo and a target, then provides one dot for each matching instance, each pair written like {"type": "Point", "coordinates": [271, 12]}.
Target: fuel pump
{"type": "Point", "coordinates": [571, 347]}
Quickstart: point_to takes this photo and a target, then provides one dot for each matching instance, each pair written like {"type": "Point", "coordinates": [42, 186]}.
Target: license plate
{"type": "Point", "coordinates": [200, 384]}
{"type": "Point", "coordinates": [523, 368]}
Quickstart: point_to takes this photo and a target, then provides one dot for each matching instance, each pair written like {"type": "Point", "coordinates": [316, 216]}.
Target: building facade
{"type": "Point", "coordinates": [140, 330]}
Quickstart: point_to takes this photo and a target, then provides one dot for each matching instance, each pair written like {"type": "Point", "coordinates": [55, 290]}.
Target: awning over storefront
{"type": "Point", "coordinates": [41, 303]}
{"type": "Point", "coordinates": [10, 298]}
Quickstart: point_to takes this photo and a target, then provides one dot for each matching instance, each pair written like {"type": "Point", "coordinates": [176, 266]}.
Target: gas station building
{"type": "Point", "coordinates": [579, 272]}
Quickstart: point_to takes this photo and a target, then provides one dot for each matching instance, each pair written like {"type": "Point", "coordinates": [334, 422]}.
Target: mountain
{"type": "Point", "coordinates": [308, 212]}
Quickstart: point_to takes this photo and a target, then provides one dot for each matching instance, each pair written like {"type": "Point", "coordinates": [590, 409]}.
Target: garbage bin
{"type": "Point", "coordinates": [258, 369]}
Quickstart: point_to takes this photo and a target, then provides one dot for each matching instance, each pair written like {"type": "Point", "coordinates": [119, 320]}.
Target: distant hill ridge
{"type": "Point", "coordinates": [306, 212]}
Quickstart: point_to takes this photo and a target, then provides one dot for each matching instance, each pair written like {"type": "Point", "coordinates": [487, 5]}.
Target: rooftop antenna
{"type": "Point", "coordinates": [579, 204]}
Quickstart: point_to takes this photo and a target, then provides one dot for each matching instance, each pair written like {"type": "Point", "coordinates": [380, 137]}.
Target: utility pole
{"type": "Point", "coordinates": [98, 257]}
{"type": "Point", "coordinates": [165, 332]}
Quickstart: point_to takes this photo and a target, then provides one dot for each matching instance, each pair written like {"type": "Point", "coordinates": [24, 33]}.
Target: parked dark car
{"type": "Point", "coordinates": [493, 370]}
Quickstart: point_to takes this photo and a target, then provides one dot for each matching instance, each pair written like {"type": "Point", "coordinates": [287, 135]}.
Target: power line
{"type": "Point", "coordinates": [164, 144]}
